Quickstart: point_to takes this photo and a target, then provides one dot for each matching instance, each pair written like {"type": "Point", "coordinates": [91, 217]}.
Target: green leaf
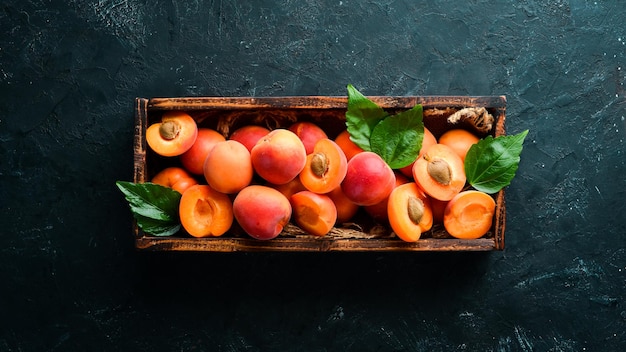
{"type": "Point", "coordinates": [361, 118]}
{"type": "Point", "coordinates": [490, 165]}
{"type": "Point", "coordinates": [398, 138]}
{"type": "Point", "coordinates": [155, 207]}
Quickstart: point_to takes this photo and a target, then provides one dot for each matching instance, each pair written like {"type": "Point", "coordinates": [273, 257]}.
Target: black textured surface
{"type": "Point", "coordinates": [71, 280]}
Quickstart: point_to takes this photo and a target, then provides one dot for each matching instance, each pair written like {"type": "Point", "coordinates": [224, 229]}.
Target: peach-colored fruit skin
{"type": "Point", "coordinates": [193, 158]}
{"type": "Point", "coordinates": [279, 156]}
{"type": "Point", "coordinates": [309, 133]}
{"type": "Point", "coordinates": [368, 180]}
{"type": "Point", "coordinates": [261, 211]}
{"type": "Point", "coordinates": [228, 168]}
{"type": "Point", "coordinates": [249, 135]}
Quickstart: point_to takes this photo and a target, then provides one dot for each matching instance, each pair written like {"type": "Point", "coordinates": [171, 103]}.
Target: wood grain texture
{"type": "Point", "coordinates": [223, 112]}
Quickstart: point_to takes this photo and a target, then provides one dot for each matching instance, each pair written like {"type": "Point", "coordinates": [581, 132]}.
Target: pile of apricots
{"type": "Point", "coordinates": [263, 179]}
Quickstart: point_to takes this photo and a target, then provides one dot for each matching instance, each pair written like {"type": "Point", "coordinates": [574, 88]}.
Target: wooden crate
{"type": "Point", "coordinates": [225, 114]}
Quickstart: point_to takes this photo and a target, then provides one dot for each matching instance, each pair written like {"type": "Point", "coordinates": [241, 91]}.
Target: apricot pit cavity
{"type": "Point", "coordinates": [415, 209]}
{"type": "Point", "coordinates": [169, 130]}
{"type": "Point", "coordinates": [319, 164]}
{"type": "Point", "coordinates": [439, 170]}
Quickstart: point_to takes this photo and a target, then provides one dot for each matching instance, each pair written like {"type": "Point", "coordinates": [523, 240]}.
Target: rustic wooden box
{"type": "Point", "coordinates": [227, 113]}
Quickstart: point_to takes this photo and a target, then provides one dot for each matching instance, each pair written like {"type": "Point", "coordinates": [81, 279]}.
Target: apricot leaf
{"type": "Point", "coordinates": [155, 207]}
{"type": "Point", "coordinates": [398, 138]}
{"type": "Point", "coordinates": [361, 118]}
{"type": "Point", "coordinates": [490, 165]}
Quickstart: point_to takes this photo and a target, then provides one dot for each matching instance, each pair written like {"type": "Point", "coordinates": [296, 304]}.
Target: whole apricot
{"type": "Point", "coordinates": [175, 178]}
{"type": "Point", "coordinates": [279, 156]}
{"type": "Point", "coordinates": [309, 133]}
{"type": "Point", "coordinates": [193, 159]}
{"type": "Point", "coordinates": [228, 168]}
{"type": "Point", "coordinates": [346, 209]}
{"type": "Point", "coordinates": [349, 148]}
{"type": "Point", "coordinates": [261, 211]}
{"type": "Point", "coordinates": [459, 140]}
{"type": "Point", "coordinates": [249, 135]}
{"type": "Point", "coordinates": [174, 135]}
{"type": "Point", "coordinates": [368, 180]}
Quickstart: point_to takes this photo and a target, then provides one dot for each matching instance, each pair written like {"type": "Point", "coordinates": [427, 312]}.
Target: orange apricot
{"type": "Point", "coordinates": [314, 213]}
{"type": "Point", "coordinates": [439, 172]}
{"type": "Point", "coordinates": [459, 140]}
{"type": "Point", "coordinates": [193, 159]}
{"type": "Point", "coordinates": [205, 212]}
{"type": "Point", "coordinates": [309, 133]}
{"type": "Point", "coordinates": [325, 167]}
{"type": "Point", "coordinates": [428, 140]}
{"type": "Point", "coordinates": [261, 211]}
{"type": "Point", "coordinates": [175, 178]}
{"type": "Point", "coordinates": [379, 211]}
{"type": "Point", "coordinates": [410, 213]}
{"type": "Point", "coordinates": [279, 156]}
{"type": "Point", "coordinates": [228, 168]}
{"type": "Point", "coordinates": [346, 209]}
{"type": "Point", "coordinates": [349, 148]}
{"type": "Point", "coordinates": [469, 214]}
{"type": "Point", "coordinates": [249, 135]}
{"type": "Point", "coordinates": [439, 207]}
{"type": "Point", "coordinates": [290, 188]}
{"type": "Point", "coordinates": [174, 135]}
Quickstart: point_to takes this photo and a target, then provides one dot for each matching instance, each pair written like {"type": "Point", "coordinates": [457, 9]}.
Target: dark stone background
{"type": "Point", "coordinates": [70, 279]}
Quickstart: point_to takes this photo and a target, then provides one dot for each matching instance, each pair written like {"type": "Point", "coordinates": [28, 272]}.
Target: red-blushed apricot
{"type": "Point", "coordinates": [175, 178]}
{"type": "Point", "coordinates": [309, 133]}
{"type": "Point", "coordinates": [379, 211]}
{"type": "Point", "coordinates": [193, 159]}
{"type": "Point", "coordinates": [249, 135]}
{"type": "Point", "coordinates": [228, 168]}
{"type": "Point", "coordinates": [205, 212]}
{"type": "Point", "coordinates": [469, 214]}
{"type": "Point", "coordinates": [174, 135]}
{"type": "Point", "coordinates": [346, 209]}
{"type": "Point", "coordinates": [459, 140]}
{"type": "Point", "coordinates": [314, 213]}
{"type": "Point", "coordinates": [290, 188]}
{"type": "Point", "coordinates": [439, 207]}
{"type": "Point", "coordinates": [349, 148]}
{"type": "Point", "coordinates": [261, 211]}
{"type": "Point", "coordinates": [325, 168]}
{"type": "Point", "coordinates": [410, 213]}
{"type": "Point", "coordinates": [279, 156]}
{"type": "Point", "coordinates": [428, 140]}
{"type": "Point", "coordinates": [368, 180]}
{"type": "Point", "coordinates": [439, 172]}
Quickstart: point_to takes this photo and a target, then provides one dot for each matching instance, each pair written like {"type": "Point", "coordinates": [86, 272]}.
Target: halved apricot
{"type": "Point", "coordinates": [175, 178]}
{"type": "Point", "coordinates": [205, 212]}
{"type": "Point", "coordinates": [459, 140]}
{"type": "Point", "coordinates": [228, 168]}
{"type": "Point", "coordinates": [410, 213]}
{"type": "Point", "coordinates": [439, 172]}
{"type": "Point", "coordinates": [469, 214]}
{"type": "Point", "coordinates": [325, 167]}
{"type": "Point", "coordinates": [314, 213]}
{"type": "Point", "coordinates": [429, 140]}
{"type": "Point", "coordinates": [349, 148]}
{"type": "Point", "coordinates": [174, 135]}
